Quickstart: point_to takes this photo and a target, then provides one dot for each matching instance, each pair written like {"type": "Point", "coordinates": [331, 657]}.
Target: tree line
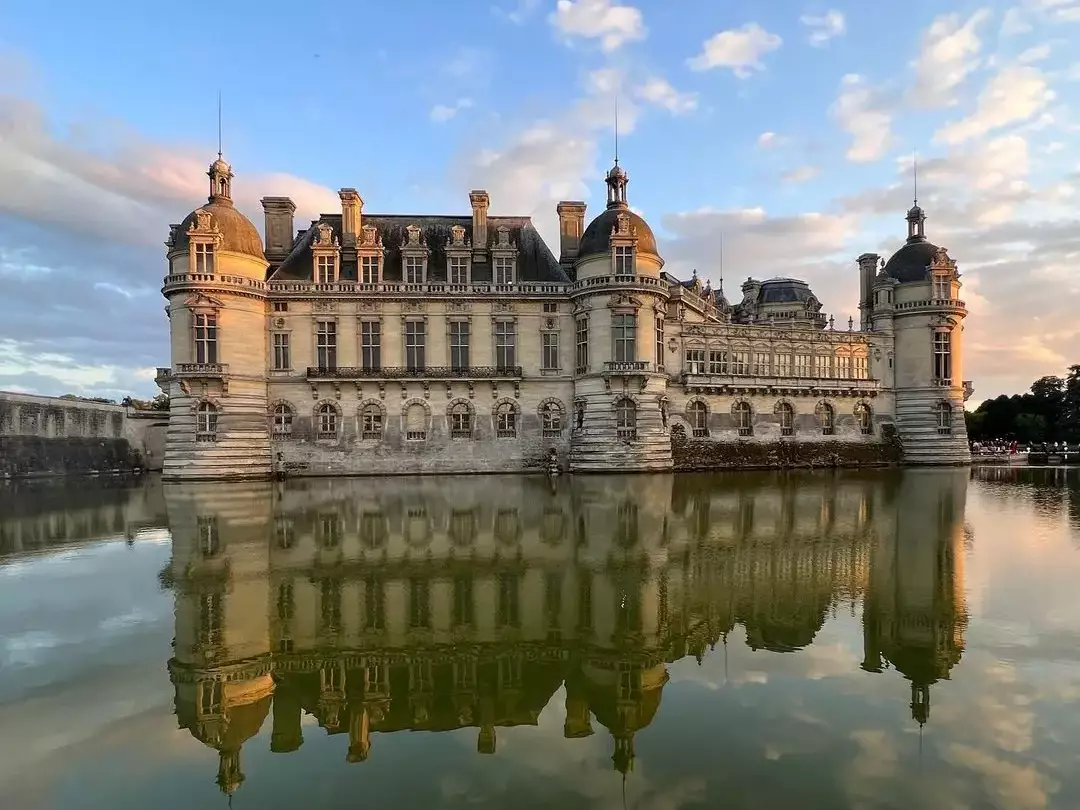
{"type": "Point", "coordinates": [1049, 412]}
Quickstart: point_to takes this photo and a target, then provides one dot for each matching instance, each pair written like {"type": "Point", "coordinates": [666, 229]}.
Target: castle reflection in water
{"type": "Point", "coordinates": [438, 604]}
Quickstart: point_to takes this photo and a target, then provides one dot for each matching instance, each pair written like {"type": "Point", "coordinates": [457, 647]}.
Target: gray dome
{"type": "Point", "coordinates": [785, 291]}
{"type": "Point", "coordinates": [910, 262]}
{"type": "Point", "coordinates": [238, 235]}
{"type": "Point", "coordinates": [597, 237]}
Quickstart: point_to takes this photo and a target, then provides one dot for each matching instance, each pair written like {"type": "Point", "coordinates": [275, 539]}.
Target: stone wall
{"type": "Point", "coordinates": [710, 454]}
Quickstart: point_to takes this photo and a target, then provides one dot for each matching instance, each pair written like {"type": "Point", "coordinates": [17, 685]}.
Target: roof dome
{"type": "Point", "coordinates": [597, 237]}
{"type": "Point", "coordinates": [785, 291]}
{"type": "Point", "coordinates": [238, 235]}
{"type": "Point", "coordinates": [910, 262]}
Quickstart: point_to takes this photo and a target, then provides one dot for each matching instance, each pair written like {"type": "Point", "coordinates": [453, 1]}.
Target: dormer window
{"type": "Point", "coordinates": [504, 270]}
{"type": "Point", "coordinates": [204, 257]}
{"type": "Point", "coordinates": [624, 260]}
{"type": "Point", "coordinates": [369, 270]}
{"type": "Point", "coordinates": [324, 270]}
{"type": "Point", "coordinates": [458, 272]}
{"type": "Point", "coordinates": [414, 269]}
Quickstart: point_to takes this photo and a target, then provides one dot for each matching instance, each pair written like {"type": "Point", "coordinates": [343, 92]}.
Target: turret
{"type": "Point", "coordinates": [868, 265]}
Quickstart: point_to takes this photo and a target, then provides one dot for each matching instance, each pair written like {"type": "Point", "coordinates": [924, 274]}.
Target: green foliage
{"type": "Point", "coordinates": [1050, 412]}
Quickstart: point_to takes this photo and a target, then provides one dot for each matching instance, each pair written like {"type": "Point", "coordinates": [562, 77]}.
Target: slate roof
{"type": "Point", "coordinates": [237, 232]}
{"type": "Point", "coordinates": [597, 237]}
{"type": "Point", "coordinates": [911, 262]}
{"type": "Point", "coordinates": [535, 260]}
{"type": "Point", "coordinates": [784, 291]}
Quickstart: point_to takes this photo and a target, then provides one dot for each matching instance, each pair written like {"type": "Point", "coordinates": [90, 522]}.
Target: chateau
{"type": "Point", "coordinates": [387, 344]}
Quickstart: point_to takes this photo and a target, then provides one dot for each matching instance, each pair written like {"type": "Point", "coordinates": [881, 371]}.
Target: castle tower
{"type": "Point", "coordinates": [917, 299]}
{"type": "Point", "coordinates": [619, 419]}
{"type": "Point", "coordinates": [218, 426]}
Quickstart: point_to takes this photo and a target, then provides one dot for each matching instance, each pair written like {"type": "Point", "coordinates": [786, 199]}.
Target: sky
{"type": "Point", "coordinates": [786, 130]}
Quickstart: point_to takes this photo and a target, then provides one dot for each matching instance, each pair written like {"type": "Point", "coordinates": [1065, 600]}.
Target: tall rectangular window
{"type": "Point", "coordinates": [942, 287]}
{"type": "Point", "coordinates": [624, 260]}
{"type": "Point", "coordinates": [459, 345]}
{"type": "Point", "coordinates": [414, 269]}
{"type": "Point", "coordinates": [783, 364]}
{"type": "Point", "coordinates": [862, 368]}
{"type": "Point", "coordinates": [581, 337]}
{"type": "Point", "coordinates": [374, 604]}
{"type": "Point", "coordinates": [718, 362]}
{"type": "Point", "coordinates": [658, 337]}
{"type": "Point", "coordinates": [464, 611]}
{"type": "Point", "coordinates": [762, 364]}
{"type": "Point", "coordinates": [504, 270]}
{"type": "Point", "coordinates": [843, 367]}
{"type": "Point", "coordinates": [206, 339]}
{"type": "Point", "coordinates": [822, 366]}
{"type": "Point", "coordinates": [943, 356]}
{"type": "Point", "coordinates": [505, 340]}
{"type": "Point", "coordinates": [695, 361]}
{"type": "Point", "coordinates": [415, 344]}
{"type": "Point", "coordinates": [803, 365]}
{"type": "Point", "coordinates": [419, 602]}
{"type": "Point", "coordinates": [369, 269]}
{"type": "Point", "coordinates": [324, 270]}
{"type": "Point", "coordinates": [204, 258]}
{"type": "Point", "coordinates": [624, 329]}
{"type": "Point", "coordinates": [326, 344]}
{"type": "Point", "coordinates": [459, 270]}
{"type": "Point", "coordinates": [282, 360]}
{"type": "Point", "coordinates": [371, 345]}
{"type": "Point", "coordinates": [549, 351]}
{"type": "Point", "coordinates": [740, 362]}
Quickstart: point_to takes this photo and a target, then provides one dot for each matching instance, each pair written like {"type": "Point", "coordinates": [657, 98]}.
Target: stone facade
{"type": "Point", "coordinates": [41, 436]}
{"type": "Point", "coordinates": [377, 344]}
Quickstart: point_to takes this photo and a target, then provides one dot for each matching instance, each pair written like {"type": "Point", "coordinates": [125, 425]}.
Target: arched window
{"type": "Point", "coordinates": [415, 423]}
{"type": "Point", "coordinates": [744, 418]}
{"type": "Point", "coordinates": [371, 423]}
{"type": "Point", "coordinates": [864, 418]}
{"type": "Point", "coordinates": [698, 416]}
{"type": "Point", "coordinates": [206, 422]}
{"type": "Point", "coordinates": [787, 418]}
{"type": "Point", "coordinates": [551, 418]}
{"type": "Point", "coordinates": [460, 418]}
{"type": "Point", "coordinates": [505, 421]}
{"type": "Point", "coordinates": [282, 420]}
{"type": "Point", "coordinates": [626, 419]}
{"type": "Point", "coordinates": [943, 411]}
{"type": "Point", "coordinates": [826, 418]}
{"type": "Point", "coordinates": [327, 421]}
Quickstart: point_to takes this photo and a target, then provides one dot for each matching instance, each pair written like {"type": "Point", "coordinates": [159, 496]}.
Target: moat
{"type": "Point", "coordinates": [843, 639]}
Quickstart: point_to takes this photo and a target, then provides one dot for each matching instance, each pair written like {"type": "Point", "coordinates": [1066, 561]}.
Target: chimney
{"type": "Point", "coordinates": [571, 226]}
{"type": "Point", "coordinates": [480, 202]}
{"type": "Point", "coordinates": [351, 208]}
{"type": "Point", "coordinates": [279, 227]}
{"type": "Point", "coordinates": [868, 265]}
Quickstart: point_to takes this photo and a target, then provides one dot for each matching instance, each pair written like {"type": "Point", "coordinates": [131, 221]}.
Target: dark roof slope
{"type": "Point", "coordinates": [237, 232]}
{"type": "Point", "coordinates": [597, 237]}
{"type": "Point", "coordinates": [535, 260]}
{"type": "Point", "coordinates": [784, 291]}
{"type": "Point", "coordinates": [910, 263]}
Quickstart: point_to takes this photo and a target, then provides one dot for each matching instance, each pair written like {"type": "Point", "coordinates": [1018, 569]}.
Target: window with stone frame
{"type": "Point", "coordinates": [459, 345]}
{"type": "Point", "coordinates": [371, 345]}
{"type": "Point", "coordinates": [282, 355]}
{"type": "Point", "coordinates": [369, 270]}
{"type": "Point", "coordinates": [782, 362]}
{"type": "Point", "coordinates": [864, 418]}
{"type": "Point", "coordinates": [458, 270]}
{"type": "Point", "coordinates": [803, 365]}
{"type": "Point", "coordinates": [416, 423]}
{"type": "Point", "coordinates": [695, 361]}
{"type": "Point", "coordinates": [624, 260]}
{"type": "Point", "coordinates": [744, 418]}
{"type": "Point", "coordinates": [943, 413]}
{"type": "Point", "coordinates": [581, 336]}
{"type": "Point", "coordinates": [549, 351]}
{"type": "Point", "coordinates": [843, 367]}
{"type": "Point", "coordinates": [826, 419]}
{"type": "Point", "coordinates": [698, 416]}
{"type": "Point", "coordinates": [504, 269]}
{"type": "Point", "coordinates": [626, 419]}
{"type": "Point", "coordinates": [861, 367]}
{"type": "Point", "coordinates": [325, 271]}
{"type": "Point", "coordinates": [414, 270]}
{"type": "Point", "coordinates": [204, 257]}
{"type": "Point", "coordinates": [551, 420]}
{"type": "Point", "coordinates": [740, 363]}
{"type": "Point", "coordinates": [326, 419]}
{"type": "Point", "coordinates": [762, 364]}
{"type": "Point", "coordinates": [282, 422]}
{"type": "Point", "coordinates": [505, 344]}
{"type": "Point", "coordinates": [505, 421]}
{"type": "Point", "coordinates": [371, 422]}
{"type": "Point", "coordinates": [719, 361]}
{"type": "Point", "coordinates": [624, 333]}
{"type": "Point", "coordinates": [943, 356]}
{"type": "Point", "coordinates": [206, 422]}
{"type": "Point", "coordinates": [206, 337]}
{"type": "Point", "coordinates": [786, 414]}
{"type": "Point", "coordinates": [658, 340]}
{"type": "Point", "coordinates": [822, 366]}
{"type": "Point", "coordinates": [942, 287]}
{"type": "Point", "coordinates": [460, 418]}
{"type": "Point", "coordinates": [326, 345]}
{"type": "Point", "coordinates": [415, 345]}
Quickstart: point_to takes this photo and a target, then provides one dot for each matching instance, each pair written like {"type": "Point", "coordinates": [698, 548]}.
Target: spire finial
{"type": "Point", "coordinates": [616, 126]}
{"type": "Point", "coordinates": [915, 174]}
{"type": "Point", "coordinates": [721, 262]}
{"type": "Point", "coordinates": [219, 124]}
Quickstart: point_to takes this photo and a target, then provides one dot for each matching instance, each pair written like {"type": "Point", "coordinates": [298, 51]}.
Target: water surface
{"type": "Point", "coordinates": [827, 640]}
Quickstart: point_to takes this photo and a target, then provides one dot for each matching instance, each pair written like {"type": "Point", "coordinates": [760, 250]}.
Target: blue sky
{"type": "Point", "coordinates": [788, 126]}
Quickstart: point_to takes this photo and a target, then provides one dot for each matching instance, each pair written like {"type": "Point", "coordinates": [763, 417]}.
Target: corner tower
{"type": "Point", "coordinates": [216, 291]}
{"type": "Point", "coordinates": [619, 421]}
{"type": "Point", "coordinates": [917, 298]}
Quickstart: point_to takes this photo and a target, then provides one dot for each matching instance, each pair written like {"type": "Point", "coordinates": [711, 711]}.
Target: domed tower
{"type": "Point", "coordinates": [619, 303]}
{"type": "Point", "coordinates": [916, 298]}
{"type": "Point", "coordinates": [217, 312]}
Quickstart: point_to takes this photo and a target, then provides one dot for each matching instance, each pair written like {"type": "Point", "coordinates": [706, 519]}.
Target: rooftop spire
{"type": "Point", "coordinates": [219, 124]}
{"type": "Point", "coordinates": [616, 127]}
{"type": "Point", "coordinates": [915, 176]}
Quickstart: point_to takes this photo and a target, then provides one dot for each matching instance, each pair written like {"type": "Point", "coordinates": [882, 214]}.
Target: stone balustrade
{"type": "Point", "coordinates": [404, 373]}
{"type": "Point", "coordinates": [431, 288]}
{"type": "Point", "coordinates": [725, 383]}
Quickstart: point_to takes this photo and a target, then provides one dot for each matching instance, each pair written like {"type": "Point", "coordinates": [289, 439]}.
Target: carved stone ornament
{"type": "Point", "coordinates": [367, 306]}
{"type": "Point", "coordinates": [279, 322]}
{"type": "Point", "coordinates": [324, 306]}
{"type": "Point", "coordinates": [502, 237]}
{"type": "Point", "coordinates": [201, 301]}
{"type": "Point", "coordinates": [503, 306]}
{"type": "Point", "coordinates": [458, 306]}
{"type": "Point", "coordinates": [413, 306]}
{"type": "Point", "coordinates": [623, 226]}
{"type": "Point", "coordinates": [457, 238]}
{"type": "Point", "coordinates": [324, 236]}
{"type": "Point", "coordinates": [370, 237]}
{"type": "Point", "coordinates": [549, 323]}
{"type": "Point", "coordinates": [414, 236]}
{"type": "Point", "coordinates": [204, 223]}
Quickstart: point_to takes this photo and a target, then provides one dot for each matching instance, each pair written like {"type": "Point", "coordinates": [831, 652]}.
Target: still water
{"type": "Point", "coordinates": [864, 640]}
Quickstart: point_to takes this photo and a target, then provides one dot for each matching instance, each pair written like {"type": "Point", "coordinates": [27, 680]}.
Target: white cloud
{"type": "Point", "coordinates": [660, 92]}
{"type": "Point", "coordinates": [1015, 94]}
{"type": "Point", "coordinates": [802, 174]}
{"type": "Point", "coordinates": [1014, 23]}
{"type": "Point", "coordinates": [605, 20]}
{"type": "Point", "coordinates": [519, 13]}
{"type": "Point", "coordinates": [824, 27]}
{"type": "Point", "coordinates": [948, 54]}
{"type": "Point", "coordinates": [862, 112]}
{"type": "Point", "coordinates": [442, 113]}
{"type": "Point", "coordinates": [770, 140]}
{"type": "Point", "coordinates": [1036, 53]}
{"type": "Point", "coordinates": [738, 49]}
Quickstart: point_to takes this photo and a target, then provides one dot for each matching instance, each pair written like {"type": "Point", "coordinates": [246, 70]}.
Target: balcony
{"type": "Point", "coordinates": [202, 370]}
{"type": "Point", "coordinates": [811, 386]}
{"type": "Point", "coordinates": [403, 373]}
{"type": "Point", "coordinates": [627, 367]}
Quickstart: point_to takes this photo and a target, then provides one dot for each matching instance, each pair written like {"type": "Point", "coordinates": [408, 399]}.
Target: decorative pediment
{"type": "Point", "coordinates": [940, 261]}
{"type": "Point", "coordinates": [457, 238]}
{"type": "Point", "coordinates": [412, 239]}
{"type": "Point", "coordinates": [324, 236]}
{"type": "Point", "coordinates": [502, 239]}
{"type": "Point", "coordinates": [624, 226]}
{"type": "Point", "coordinates": [370, 237]}
{"type": "Point", "coordinates": [624, 301]}
{"type": "Point", "coordinates": [201, 301]}
{"type": "Point", "coordinates": [204, 224]}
